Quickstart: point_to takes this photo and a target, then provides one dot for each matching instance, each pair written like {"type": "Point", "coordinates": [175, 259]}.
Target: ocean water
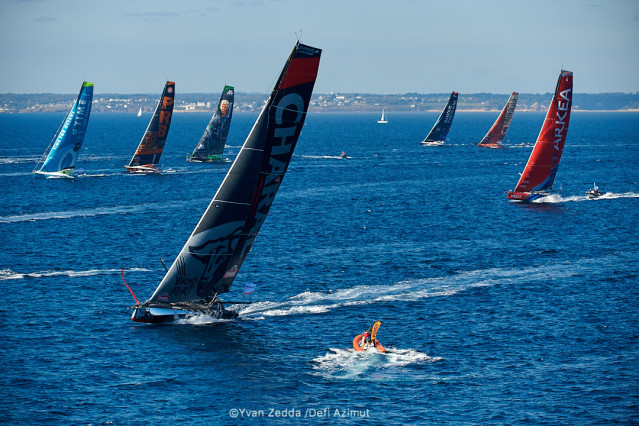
{"type": "Point", "coordinates": [494, 312]}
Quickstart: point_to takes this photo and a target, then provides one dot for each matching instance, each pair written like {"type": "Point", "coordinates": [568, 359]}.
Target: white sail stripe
{"type": "Point", "coordinates": [288, 109]}
{"type": "Point", "coordinates": [205, 254]}
{"type": "Point", "coordinates": [232, 202]}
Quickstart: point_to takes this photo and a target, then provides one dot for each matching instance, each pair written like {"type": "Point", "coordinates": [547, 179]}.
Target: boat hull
{"type": "Point", "coordinates": [209, 159]}
{"type": "Point", "coordinates": [375, 343]}
{"type": "Point", "coordinates": [490, 145]}
{"type": "Point", "coordinates": [53, 175]}
{"type": "Point", "coordinates": [142, 169]}
{"type": "Point", "coordinates": [432, 143]}
{"type": "Point", "coordinates": [152, 315]}
{"type": "Point", "coordinates": [526, 197]}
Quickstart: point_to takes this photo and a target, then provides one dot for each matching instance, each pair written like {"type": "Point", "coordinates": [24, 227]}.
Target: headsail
{"type": "Point", "coordinates": [437, 135]}
{"type": "Point", "coordinates": [215, 251]}
{"type": "Point", "coordinates": [66, 143]}
{"type": "Point", "coordinates": [496, 134]}
{"type": "Point", "coordinates": [541, 168]}
{"type": "Point", "coordinates": [211, 144]}
{"type": "Point", "coordinates": [149, 151]}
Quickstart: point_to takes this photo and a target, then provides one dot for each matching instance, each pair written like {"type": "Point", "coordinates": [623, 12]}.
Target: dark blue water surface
{"type": "Point", "coordinates": [495, 312]}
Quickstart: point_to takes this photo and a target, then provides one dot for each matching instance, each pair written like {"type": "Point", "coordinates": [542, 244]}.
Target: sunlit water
{"type": "Point", "coordinates": [493, 312]}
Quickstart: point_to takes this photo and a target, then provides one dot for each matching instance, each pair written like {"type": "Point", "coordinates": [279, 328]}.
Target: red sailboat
{"type": "Point", "coordinates": [541, 169]}
{"type": "Point", "coordinates": [495, 136]}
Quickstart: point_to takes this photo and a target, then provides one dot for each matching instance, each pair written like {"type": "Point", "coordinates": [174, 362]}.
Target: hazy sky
{"type": "Point", "coordinates": [369, 46]}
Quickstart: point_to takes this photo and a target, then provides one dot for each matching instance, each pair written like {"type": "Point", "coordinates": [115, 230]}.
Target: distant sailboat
{"type": "Point", "coordinates": [211, 258]}
{"type": "Point", "coordinates": [60, 156]}
{"type": "Point", "coordinates": [383, 120]}
{"type": "Point", "coordinates": [149, 151]}
{"type": "Point", "coordinates": [437, 135]}
{"type": "Point", "coordinates": [495, 136]}
{"type": "Point", "coordinates": [211, 145]}
{"type": "Point", "coordinates": [541, 169]}
{"type": "Point", "coordinates": [140, 112]}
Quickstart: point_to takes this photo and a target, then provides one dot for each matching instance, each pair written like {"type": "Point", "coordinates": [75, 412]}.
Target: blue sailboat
{"type": "Point", "coordinates": [437, 135]}
{"type": "Point", "coordinates": [58, 161]}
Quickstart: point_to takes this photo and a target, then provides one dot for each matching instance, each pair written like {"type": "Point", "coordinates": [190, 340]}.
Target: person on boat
{"type": "Point", "coordinates": [366, 340]}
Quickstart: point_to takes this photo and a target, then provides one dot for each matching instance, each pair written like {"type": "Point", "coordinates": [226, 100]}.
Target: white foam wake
{"type": "Point", "coordinates": [68, 214]}
{"type": "Point", "coordinates": [310, 302]}
{"type": "Point", "coordinates": [8, 274]}
{"type": "Point", "coordinates": [372, 365]}
{"type": "Point", "coordinates": [557, 198]}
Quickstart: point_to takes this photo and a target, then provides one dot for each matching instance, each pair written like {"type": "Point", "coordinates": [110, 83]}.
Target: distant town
{"type": "Point", "coordinates": [345, 102]}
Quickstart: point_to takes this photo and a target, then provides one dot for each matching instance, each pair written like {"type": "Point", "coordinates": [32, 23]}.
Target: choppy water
{"type": "Point", "coordinates": [495, 312]}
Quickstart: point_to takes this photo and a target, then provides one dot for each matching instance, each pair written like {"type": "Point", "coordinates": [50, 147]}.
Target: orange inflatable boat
{"type": "Point", "coordinates": [358, 340]}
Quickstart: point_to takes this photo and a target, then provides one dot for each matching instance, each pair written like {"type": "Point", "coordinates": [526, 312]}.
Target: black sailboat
{"type": "Point", "coordinates": [211, 145]}
{"type": "Point", "coordinates": [211, 258]}
{"type": "Point", "coordinates": [437, 135]}
{"type": "Point", "coordinates": [147, 155]}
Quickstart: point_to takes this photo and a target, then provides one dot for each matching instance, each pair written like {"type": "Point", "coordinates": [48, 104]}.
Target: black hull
{"type": "Point", "coordinates": [162, 315]}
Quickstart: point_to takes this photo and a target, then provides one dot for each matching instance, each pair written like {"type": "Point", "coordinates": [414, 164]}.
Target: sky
{"type": "Point", "coordinates": [369, 46]}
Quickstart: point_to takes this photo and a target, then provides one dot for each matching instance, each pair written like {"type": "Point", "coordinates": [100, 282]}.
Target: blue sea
{"type": "Point", "coordinates": [494, 312]}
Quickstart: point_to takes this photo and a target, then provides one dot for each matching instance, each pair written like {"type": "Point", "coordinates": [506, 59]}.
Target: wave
{"type": "Point", "coordinates": [8, 274]}
{"type": "Point", "coordinates": [322, 157]}
{"type": "Point", "coordinates": [348, 364]}
{"type": "Point", "coordinates": [100, 211]}
{"type": "Point", "coordinates": [19, 160]}
{"type": "Point", "coordinates": [556, 198]}
{"type": "Point", "coordinates": [310, 303]}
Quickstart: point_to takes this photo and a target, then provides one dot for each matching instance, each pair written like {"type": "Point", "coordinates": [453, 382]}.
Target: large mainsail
{"type": "Point", "coordinates": [438, 133]}
{"type": "Point", "coordinates": [215, 251]}
{"type": "Point", "coordinates": [151, 146]}
{"type": "Point", "coordinates": [541, 168]}
{"type": "Point", "coordinates": [67, 142]}
{"type": "Point", "coordinates": [496, 134]}
{"type": "Point", "coordinates": [211, 144]}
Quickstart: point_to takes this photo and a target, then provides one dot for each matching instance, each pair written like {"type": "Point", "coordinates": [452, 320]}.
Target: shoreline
{"type": "Point", "coordinates": [333, 111]}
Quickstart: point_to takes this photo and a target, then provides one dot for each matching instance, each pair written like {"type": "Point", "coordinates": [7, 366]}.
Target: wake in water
{"type": "Point", "coordinates": [371, 365]}
{"type": "Point", "coordinates": [68, 214]}
{"type": "Point", "coordinates": [557, 198]}
{"type": "Point", "coordinates": [8, 274]}
{"type": "Point", "coordinates": [309, 303]}
{"type": "Point", "coordinates": [323, 157]}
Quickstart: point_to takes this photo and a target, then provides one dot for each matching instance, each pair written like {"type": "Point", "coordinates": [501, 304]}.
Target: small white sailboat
{"type": "Point", "coordinates": [140, 112]}
{"type": "Point", "coordinates": [383, 120]}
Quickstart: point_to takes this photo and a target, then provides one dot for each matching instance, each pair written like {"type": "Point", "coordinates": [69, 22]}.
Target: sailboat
{"type": "Point", "coordinates": [58, 160]}
{"type": "Point", "coordinates": [149, 151]}
{"type": "Point", "coordinates": [212, 256]}
{"type": "Point", "coordinates": [211, 144]}
{"type": "Point", "coordinates": [437, 135]}
{"type": "Point", "coordinates": [383, 120]}
{"type": "Point", "coordinates": [541, 168]}
{"type": "Point", "coordinates": [140, 112]}
{"type": "Point", "coordinates": [495, 136]}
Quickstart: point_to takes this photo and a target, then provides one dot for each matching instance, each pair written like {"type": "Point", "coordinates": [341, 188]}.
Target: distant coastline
{"type": "Point", "coordinates": [333, 102]}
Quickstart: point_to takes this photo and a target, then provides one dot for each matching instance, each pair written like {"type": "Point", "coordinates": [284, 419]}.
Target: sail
{"type": "Point", "coordinates": [68, 140]}
{"type": "Point", "coordinates": [496, 134]}
{"type": "Point", "coordinates": [213, 254]}
{"type": "Point", "coordinates": [214, 138]}
{"type": "Point", "coordinates": [383, 119]}
{"type": "Point", "coordinates": [440, 130]}
{"type": "Point", "coordinates": [541, 169]}
{"type": "Point", "coordinates": [152, 144]}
